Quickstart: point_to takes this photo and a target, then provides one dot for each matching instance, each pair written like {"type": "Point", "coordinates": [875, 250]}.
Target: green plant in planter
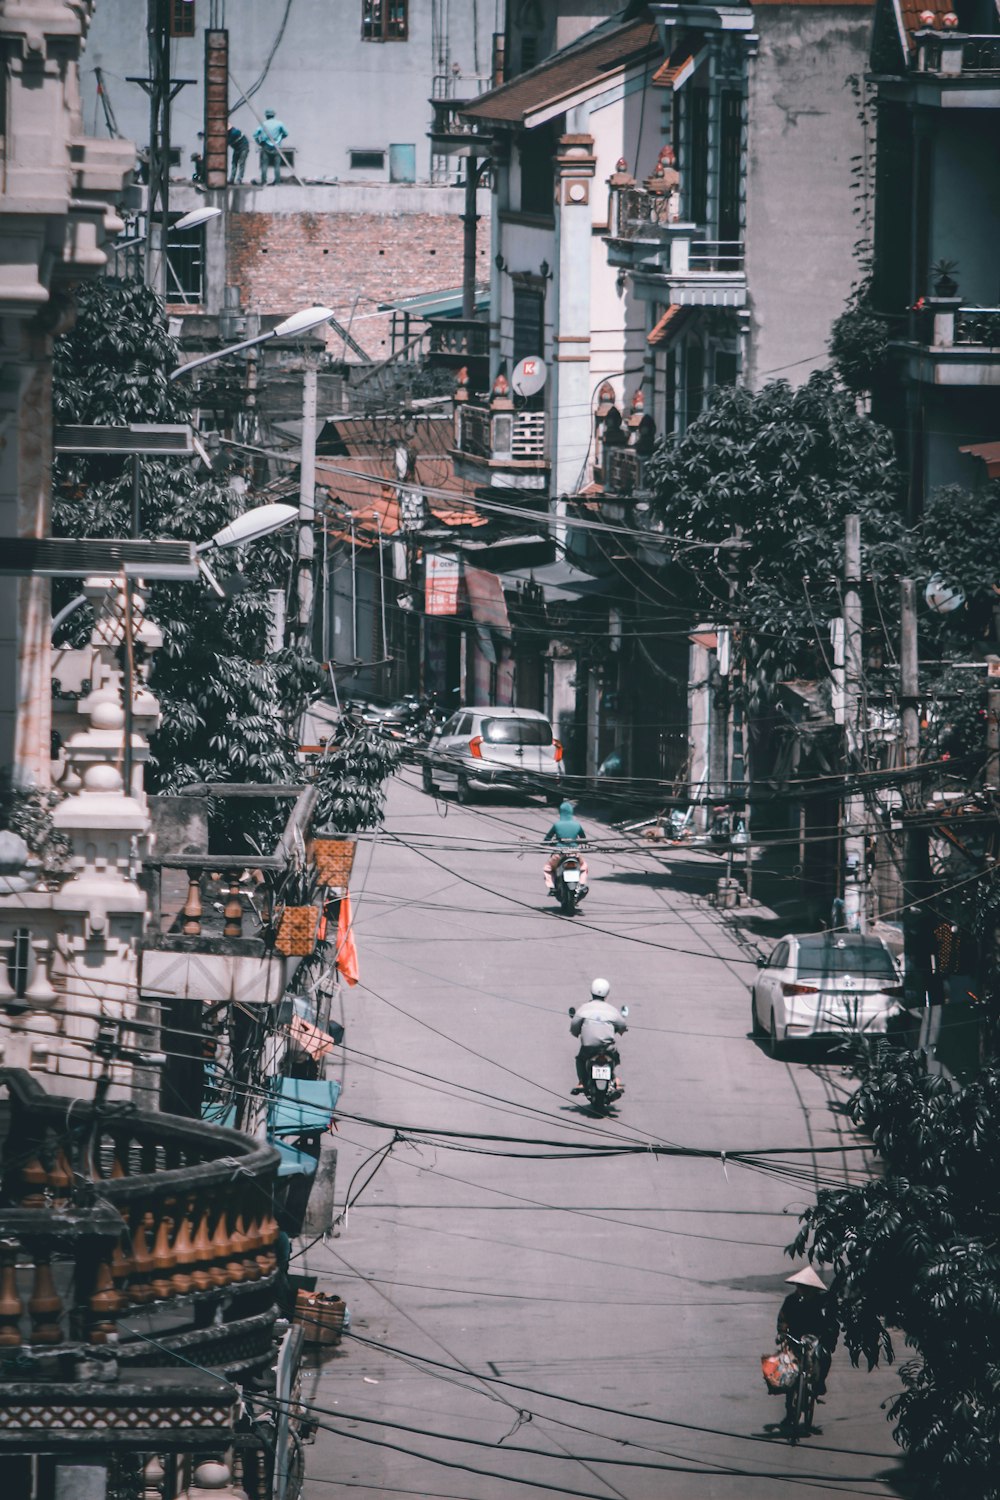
{"type": "Point", "coordinates": [27, 811]}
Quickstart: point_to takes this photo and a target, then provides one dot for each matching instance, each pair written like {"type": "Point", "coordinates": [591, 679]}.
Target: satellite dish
{"type": "Point", "coordinates": [529, 376]}
{"type": "Point", "coordinates": [940, 595]}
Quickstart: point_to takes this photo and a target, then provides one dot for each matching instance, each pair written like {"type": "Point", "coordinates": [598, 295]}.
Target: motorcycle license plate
{"type": "Point", "coordinates": [571, 876]}
{"type": "Point", "coordinates": [600, 1070]}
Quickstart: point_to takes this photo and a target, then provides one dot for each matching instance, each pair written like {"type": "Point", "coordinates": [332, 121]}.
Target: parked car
{"type": "Point", "coordinates": [820, 983]}
{"type": "Point", "coordinates": [494, 749]}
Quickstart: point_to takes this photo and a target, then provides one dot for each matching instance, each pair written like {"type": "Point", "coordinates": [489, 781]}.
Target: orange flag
{"type": "Point", "coordinates": [347, 952]}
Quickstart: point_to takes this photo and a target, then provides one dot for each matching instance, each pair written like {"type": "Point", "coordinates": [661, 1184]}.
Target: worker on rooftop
{"type": "Point", "coordinates": [269, 136]}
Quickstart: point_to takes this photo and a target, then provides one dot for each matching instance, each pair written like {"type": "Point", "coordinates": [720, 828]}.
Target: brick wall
{"type": "Point", "coordinates": [284, 261]}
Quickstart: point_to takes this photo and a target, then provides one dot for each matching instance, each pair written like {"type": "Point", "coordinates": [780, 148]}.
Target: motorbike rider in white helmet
{"type": "Point", "coordinates": [595, 1023]}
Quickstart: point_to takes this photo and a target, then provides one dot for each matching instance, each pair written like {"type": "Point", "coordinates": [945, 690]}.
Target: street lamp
{"type": "Point", "coordinates": [249, 527]}
{"type": "Point", "coordinates": [195, 217]}
{"type": "Point", "coordinates": [300, 322]}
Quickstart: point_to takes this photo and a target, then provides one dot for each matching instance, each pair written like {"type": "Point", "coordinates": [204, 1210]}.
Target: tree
{"type": "Point", "coordinates": [757, 491]}
{"type": "Point", "coordinates": [916, 1250]}
{"type": "Point", "coordinates": [230, 707]}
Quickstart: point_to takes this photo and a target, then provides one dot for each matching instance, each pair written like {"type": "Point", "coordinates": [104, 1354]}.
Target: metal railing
{"type": "Point", "coordinates": [639, 211]}
{"type": "Point", "coordinates": [446, 118]}
{"type": "Point", "coordinates": [716, 255]}
{"type": "Point", "coordinates": [624, 471]}
{"type": "Point", "coordinates": [978, 325]}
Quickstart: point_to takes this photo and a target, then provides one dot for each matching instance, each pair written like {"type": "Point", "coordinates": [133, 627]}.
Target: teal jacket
{"type": "Point", "coordinates": [566, 829]}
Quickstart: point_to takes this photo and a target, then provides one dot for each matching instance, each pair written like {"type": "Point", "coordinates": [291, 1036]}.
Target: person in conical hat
{"type": "Point", "coordinates": [807, 1278]}
{"type": "Point", "coordinates": [809, 1309]}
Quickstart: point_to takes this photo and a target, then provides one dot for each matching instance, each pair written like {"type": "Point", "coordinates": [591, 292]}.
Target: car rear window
{"type": "Point", "coordinates": [851, 955]}
{"type": "Point", "coordinates": [517, 731]}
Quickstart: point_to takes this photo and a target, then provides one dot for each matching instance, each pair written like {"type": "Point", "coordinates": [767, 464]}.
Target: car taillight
{"type": "Point", "coordinates": [800, 989]}
{"type": "Point", "coordinates": [557, 749]}
{"type": "Point", "coordinates": [476, 747]}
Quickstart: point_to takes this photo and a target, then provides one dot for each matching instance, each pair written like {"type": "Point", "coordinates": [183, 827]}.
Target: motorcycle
{"type": "Point", "coordinates": [567, 879]}
{"type": "Point", "coordinates": [599, 1078]}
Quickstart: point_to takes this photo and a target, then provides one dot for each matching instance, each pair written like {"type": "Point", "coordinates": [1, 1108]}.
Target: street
{"type": "Point", "coordinates": [531, 1318]}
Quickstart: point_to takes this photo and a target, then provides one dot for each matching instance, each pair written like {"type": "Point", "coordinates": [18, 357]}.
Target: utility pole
{"type": "Point", "coordinates": [854, 803]}
{"type": "Point", "coordinates": [307, 504]}
{"type": "Point", "coordinates": [162, 90]}
{"type": "Point", "coordinates": [916, 868]}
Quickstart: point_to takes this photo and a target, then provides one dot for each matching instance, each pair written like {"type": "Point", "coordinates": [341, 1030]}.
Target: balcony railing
{"type": "Point", "coordinates": [978, 325]}
{"type": "Point", "coordinates": [105, 1213]}
{"type": "Point", "coordinates": [454, 340]}
{"type": "Point", "coordinates": [950, 54]}
{"type": "Point", "coordinates": [447, 123]}
{"type": "Point", "coordinates": [624, 472]}
{"type": "Point", "coordinates": [639, 212]}
{"type": "Point", "coordinates": [499, 435]}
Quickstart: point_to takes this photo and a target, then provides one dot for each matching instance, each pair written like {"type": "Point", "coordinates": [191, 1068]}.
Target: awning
{"type": "Point", "coordinates": [558, 580]}
{"type": "Point", "coordinates": [486, 599]}
{"type": "Point", "coordinates": [670, 326]}
{"type": "Point", "coordinates": [445, 304]}
{"type": "Point", "coordinates": [707, 639]}
{"type": "Point", "coordinates": [682, 65]}
{"type": "Point", "coordinates": [301, 1105]}
{"type": "Point", "coordinates": [990, 455]}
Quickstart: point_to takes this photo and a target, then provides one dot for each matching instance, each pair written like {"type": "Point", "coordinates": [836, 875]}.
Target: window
{"type": "Point", "coordinates": [537, 171]}
{"type": "Point", "coordinates": [182, 17]}
{"type": "Point", "coordinates": [696, 167]}
{"type": "Point", "coordinates": [726, 367]}
{"type": "Point", "coordinates": [186, 258]}
{"type": "Point", "coordinates": [730, 152]}
{"type": "Point", "coordinates": [529, 324]}
{"type": "Point", "coordinates": [517, 731]}
{"type": "Point", "coordinates": [384, 20]}
{"type": "Point", "coordinates": [529, 52]}
{"type": "Point", "coordinates": [865, 957]}
{"type": "Point", "coordinates": [779, 958]}
{"type": "Point", "coordinates": [367, 161]}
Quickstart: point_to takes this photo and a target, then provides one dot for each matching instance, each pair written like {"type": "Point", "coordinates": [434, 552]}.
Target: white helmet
{"type": "Point", "coordinates": [600, 989]}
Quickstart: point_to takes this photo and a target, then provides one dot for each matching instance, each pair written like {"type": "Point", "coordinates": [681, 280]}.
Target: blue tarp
{"type": "Point", "coordinates": [301, 1104]}
{"type": "Point", "coordinates": [293, 1162]}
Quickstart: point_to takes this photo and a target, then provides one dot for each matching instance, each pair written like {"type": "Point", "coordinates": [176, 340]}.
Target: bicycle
{"type": "Point", "coordinates": [800, 1398]}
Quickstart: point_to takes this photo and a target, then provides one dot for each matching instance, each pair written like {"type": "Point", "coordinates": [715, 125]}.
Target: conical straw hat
{"type": "Point", "coordinates": [807, 1277]}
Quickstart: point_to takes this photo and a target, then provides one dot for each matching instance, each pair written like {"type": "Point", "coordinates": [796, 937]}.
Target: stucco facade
{"type": "Point", "coordinates": [804, 139]}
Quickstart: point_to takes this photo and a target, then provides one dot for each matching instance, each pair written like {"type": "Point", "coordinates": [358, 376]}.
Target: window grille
{"type": "Point", "coordinates": [384, 20]}
{"type": "Point", "coordinates": [182, 18]}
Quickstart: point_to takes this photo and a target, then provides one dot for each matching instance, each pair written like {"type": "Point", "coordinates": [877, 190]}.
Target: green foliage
{"type": "Point", "coordinates": [917, 1250]}
{"type": "Point", "coordinates": [27, 811]}
{"type": "Point", "coordinates": [859, 346]}
{"type": "Point", "coordinates": [779, 471]}
{"type": "Point", "coordinates": [351, 779]}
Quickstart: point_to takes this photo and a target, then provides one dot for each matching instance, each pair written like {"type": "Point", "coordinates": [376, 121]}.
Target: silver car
{"type": "Point", "coordinates": [494, 749]}
{"type": "Point", "coordinates": [824, 982]}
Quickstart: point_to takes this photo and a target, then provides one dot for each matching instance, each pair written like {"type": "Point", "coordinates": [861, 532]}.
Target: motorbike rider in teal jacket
{"type": "Point", "coordinates": [566, 833]}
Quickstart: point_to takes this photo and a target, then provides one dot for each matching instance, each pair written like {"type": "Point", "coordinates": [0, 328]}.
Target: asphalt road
{"type": "Point", "coordinates": [640, 1290]}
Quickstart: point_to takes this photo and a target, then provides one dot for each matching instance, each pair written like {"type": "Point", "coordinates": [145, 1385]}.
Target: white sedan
{"type": "Point", "coordinates": [823, 983]}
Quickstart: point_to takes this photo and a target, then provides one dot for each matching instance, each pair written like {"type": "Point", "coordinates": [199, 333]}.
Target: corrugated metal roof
{"type": "Point", "coordinates": [573, 68]}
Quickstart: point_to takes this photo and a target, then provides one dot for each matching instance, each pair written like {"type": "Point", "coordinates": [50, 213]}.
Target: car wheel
{"type": "Point", "coordinates": [427, 777]}
{"type": "Point", "coordinates": [462, 790]}
{"type": "Point", "coordinates": [756, 1028]}
{"type": "Point", "coordinates": [776, 1047]}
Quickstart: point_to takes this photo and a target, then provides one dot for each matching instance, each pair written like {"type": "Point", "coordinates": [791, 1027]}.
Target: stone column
{"type": "Point", "coordinates": [570, 406]}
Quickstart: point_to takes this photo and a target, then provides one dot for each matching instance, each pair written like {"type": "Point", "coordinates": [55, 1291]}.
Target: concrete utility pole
{"type": "Point", "coordinates": [916, 869]}
{"type": "Point", "coordinates": [854, 803]}
{"type": "Point", "coordinates": [162, 90]}
{"type": "Point", "coordinates": [307, 504]}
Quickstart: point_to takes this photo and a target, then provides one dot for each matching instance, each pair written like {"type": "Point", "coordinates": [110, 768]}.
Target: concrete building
{"type": "Point", "coordinates": [937, 222]}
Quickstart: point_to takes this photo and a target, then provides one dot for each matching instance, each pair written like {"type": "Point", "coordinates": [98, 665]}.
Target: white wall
{"type": "Point", "coordinates": [335, 92]}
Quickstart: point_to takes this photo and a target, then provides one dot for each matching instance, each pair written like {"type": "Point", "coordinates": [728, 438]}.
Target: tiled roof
{"type": "Point", "coordinates": [673, 322]}
{"type": "Point", "coordinates": [565, 73]}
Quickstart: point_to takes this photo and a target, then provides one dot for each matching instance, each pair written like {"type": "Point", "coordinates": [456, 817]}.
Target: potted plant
{"type": "Point", "coordinates": [945, 284]}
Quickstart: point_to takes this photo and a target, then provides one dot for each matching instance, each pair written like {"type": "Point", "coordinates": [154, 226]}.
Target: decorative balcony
{"type": "Point", "coordinates": [455, 342]}
{"type": "Point", "coordinates": [624, 473]}
{"type": "Point", "coordinates": [109, 1215]}
{"type": "Point", "coordinates": [952, 54]}
{"type": "Point", "coordinates": [451, 135]}
{"type": "Point", "coordinates": [670, 257]}
{"type": "Point", "coordinates": [952, 345]}
{"type": "Point", "coordinates": [497, 444]}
